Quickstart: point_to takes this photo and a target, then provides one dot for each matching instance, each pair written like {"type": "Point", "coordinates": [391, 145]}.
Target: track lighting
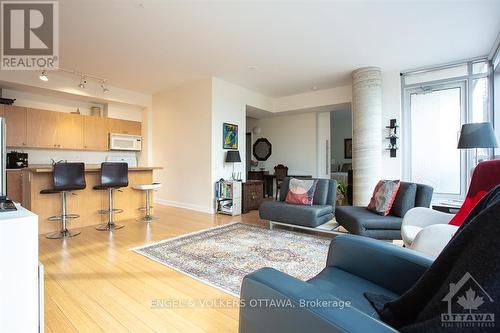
{"type": "Point", "coordinates": [105, 90]}
{"type": "Point", "coordinates": [83, 82]}
{"type": "Point", "coordinates": [44, 76]}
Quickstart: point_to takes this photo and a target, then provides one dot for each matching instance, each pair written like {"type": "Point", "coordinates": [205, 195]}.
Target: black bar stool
{"type": "Point", "coordinates": [113, 177]}
{"type": "Point", "coordinates": [68, 177]}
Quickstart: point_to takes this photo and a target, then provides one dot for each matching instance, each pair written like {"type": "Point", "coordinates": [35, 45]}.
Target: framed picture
{"type": "Point", "coordinates": [348, 148]}
{"type": "Point", "coordinates": [229, 136]}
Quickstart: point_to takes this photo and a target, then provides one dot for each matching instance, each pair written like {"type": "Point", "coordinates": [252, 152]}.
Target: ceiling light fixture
{"type": "Point", "coordinates": [44, 76]}
{"type": "Point", "coordinates": [83, 82]}
{"type": "Point", "coordinates": [105, 90]}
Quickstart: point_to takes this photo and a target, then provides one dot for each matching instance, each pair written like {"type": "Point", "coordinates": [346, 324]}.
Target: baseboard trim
{"type": "Point", "coordinates": [184, 205]}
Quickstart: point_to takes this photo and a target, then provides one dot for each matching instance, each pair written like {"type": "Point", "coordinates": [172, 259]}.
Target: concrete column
{"type": "Point", "coordinates": [367, 132]}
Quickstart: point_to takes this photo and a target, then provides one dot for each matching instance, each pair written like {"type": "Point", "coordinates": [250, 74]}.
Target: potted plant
{"type": "Point", "coordinates": [341, 193]}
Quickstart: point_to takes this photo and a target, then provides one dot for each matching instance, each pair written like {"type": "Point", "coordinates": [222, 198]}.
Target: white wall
{"type": "Point", "coordinates": [340, 129]}
{"type": "Point", "coordinates": [229, 103]}
{"type": "Point", "coordinates": [293, 139]}
{"type": "Point", "coordinates": [182, 137]}
{"type": "Point", "coordinates": [391, 108]}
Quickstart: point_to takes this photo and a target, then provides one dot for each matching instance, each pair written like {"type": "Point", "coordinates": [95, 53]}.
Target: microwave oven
{"type": "Point", "coordinates": [125, 142]}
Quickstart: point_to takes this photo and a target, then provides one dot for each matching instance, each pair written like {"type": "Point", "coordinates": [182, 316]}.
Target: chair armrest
{"type": "Point", "coordinates": [272, 301]}
{"type": "Point", "coordinates": [423, 217]}
{"type": "Point", "coordinates": [390, 266]}
{"type": "Point", "coordinates": [418, 218]}
{"type": "Point", "coordinates": [432, 239]}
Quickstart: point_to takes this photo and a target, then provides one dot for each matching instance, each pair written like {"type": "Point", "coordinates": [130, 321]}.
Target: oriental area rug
{"type": "Point", "coordinates": [223, 255]}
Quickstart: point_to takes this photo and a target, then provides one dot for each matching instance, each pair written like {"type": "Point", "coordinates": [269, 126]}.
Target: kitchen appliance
{"type": "Point", "coordinates": [17, 160]}
{"type": "Point", "coordinates": [125, 142]}
{"type": "Point", "coordinates": [6, 205]}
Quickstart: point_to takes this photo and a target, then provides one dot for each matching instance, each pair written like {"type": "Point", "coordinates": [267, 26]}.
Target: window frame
{"type": "Point", "coordinates": [467, 155]}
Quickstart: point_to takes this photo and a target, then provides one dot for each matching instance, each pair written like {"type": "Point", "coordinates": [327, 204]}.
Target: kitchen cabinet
{"type": "Point", "coordinates": [95, 133]}
{"type": "Point", "coordinates": [124, 126]}
{"type": "Point", "coordinates": [37, 128]}
{"type": "Point", "coordinates": [15, 118]}
{"type": "Point", "coordinates": [15, 185]}
{"type": "Point", "coordinates": [42, 129]}
{"type": "Point", "coordinates": [69, 131]}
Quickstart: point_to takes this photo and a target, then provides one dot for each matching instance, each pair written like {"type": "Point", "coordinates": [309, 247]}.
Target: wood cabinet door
{"type": "Point", "coordinates": [69, 131]}
{"type": "Point", "coordinates": [15, 118]}
{"type": "Point", "coordinates": [124, 126]}
{"type": "Point", "coordinates": [42, 128]}
{"type": "Point", "coordinates": [95, 133]}
{"type": "Point", "coordinates": [15, 185]}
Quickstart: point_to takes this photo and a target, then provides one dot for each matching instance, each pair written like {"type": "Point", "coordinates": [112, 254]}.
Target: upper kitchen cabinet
{"type": "Point", "coordinates": [124, 126]}
{"type": "Point", "coordinates": [70, 131]}
{"type": "Point", "coordinates": [95, 133]}
{"type": "Point", "coordinates": [15, 118]}
{"type": "Point", "coordinates": [42, 129]}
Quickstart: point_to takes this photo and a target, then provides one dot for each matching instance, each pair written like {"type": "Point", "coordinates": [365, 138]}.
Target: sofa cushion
{"type": "Point", "coordinates": [405, 199]}
{"type": "Point", "coordinates": [383, 196]}
{"type": "Point", "coordinates": [349, 287]}
{"type": "Point", "coordinates": [301, 191]}
{"type": "Point", "coordinates": [424, 195]}
{"type": "Point", "coordinates": [356, 218]}
{"type": "Point", "coordinates": [308, 216]}
{"type": "Point", "coordinates": [321, 194]}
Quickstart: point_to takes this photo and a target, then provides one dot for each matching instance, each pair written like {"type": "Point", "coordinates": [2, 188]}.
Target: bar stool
{"type": "Point", "coordinates": [148, 188]}
{"type": "Point", "coordinates": [113, 177]}
{"type": "Point", "coordinates": [68, 177]}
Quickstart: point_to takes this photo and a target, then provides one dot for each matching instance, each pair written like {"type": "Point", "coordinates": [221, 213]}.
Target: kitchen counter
{"type": "Point", "coordinates": [88, 202]}
{"type": "Point", "coordinates": [41, 168]}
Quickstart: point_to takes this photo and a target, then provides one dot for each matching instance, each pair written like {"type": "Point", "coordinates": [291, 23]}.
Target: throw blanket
{"type": "Point", "coordinates": [464, 279]}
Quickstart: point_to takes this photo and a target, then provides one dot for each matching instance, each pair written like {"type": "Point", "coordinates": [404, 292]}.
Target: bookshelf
{"type": "Point", "coordinates": [228, 197]}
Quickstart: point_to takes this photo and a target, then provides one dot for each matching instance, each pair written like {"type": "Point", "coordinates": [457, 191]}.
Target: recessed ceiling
{"type": "Point", "coordinates": [276, 48]}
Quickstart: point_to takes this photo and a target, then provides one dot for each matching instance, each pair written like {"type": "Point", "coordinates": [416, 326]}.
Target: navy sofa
{"type": "Point", "coordinates": [320, 212]}
{"type": "Point", "coordinates": [363, 222]}
{"type": "Point", "coordinates": [354, 265]}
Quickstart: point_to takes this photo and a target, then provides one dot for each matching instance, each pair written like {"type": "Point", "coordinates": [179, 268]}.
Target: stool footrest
{"type": "Point", "coordinates": [145, 208]}
{"type": "Point", "coordinates": [60, 217]}
{"type": "Point", "coordinates": [112, 211]}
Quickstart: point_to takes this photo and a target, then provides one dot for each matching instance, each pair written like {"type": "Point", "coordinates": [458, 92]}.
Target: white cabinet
{"type": "Point", "coordinates": [19, 280]}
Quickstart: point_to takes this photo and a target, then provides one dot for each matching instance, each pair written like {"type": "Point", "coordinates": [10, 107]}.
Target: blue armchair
{"type": "Point", "coordinates": [276, 302]}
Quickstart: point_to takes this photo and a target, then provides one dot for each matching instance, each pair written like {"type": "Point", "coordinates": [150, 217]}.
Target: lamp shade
{"type": "Point", "coordinates": [477, 135]}
{"type": "Point", "coordinates": [233, 156]}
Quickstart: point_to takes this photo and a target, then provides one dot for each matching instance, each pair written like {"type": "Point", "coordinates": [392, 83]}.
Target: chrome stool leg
{"type": "Point", "coordinates": [148, 217]}
{"type": "Point", "coordinates": [110, 226]}
{"type": "Point", "coordinates": [64, 232]}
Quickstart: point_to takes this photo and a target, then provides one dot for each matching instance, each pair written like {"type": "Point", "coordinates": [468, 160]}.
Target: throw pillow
{"type": "Point", "coordinates": [383, 196]}
{"type": "Point", "coordinates": [301, 191]}
{"type": "Point", "coordinates": [405, 199]}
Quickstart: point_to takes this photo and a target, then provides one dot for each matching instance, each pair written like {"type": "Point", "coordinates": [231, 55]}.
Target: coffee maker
{"type": "Point", "coordinates": [17, 160]}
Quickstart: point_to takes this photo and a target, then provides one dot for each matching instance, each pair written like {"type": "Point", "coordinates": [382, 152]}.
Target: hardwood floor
{"type": "Point", "coordinates": [94, 284]}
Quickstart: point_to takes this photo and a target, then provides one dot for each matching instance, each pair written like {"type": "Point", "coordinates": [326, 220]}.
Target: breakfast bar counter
{"type": "Point", "coordinates": [85, 203]}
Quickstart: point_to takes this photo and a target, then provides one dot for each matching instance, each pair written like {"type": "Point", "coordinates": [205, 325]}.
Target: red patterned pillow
{"type": "Point", "coordinates": [301, 191]}
{"type": "Point", "coordinates": [383, 196]}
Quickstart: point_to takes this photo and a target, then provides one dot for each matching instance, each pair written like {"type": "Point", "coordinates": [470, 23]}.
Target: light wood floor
{"type": "Point", "coordinates": [93, 283]}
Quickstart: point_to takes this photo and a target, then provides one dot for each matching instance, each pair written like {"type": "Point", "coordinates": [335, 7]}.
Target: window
{"type": "Point", "coordinates": [436, 104]}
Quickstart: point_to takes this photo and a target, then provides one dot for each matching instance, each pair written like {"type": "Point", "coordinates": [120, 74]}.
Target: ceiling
{"type": "Point", "coordinates": [277, 48]}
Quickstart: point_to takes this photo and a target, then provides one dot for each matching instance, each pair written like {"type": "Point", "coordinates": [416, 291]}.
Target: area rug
{"type": "Point", "coordinates": [223, 255]}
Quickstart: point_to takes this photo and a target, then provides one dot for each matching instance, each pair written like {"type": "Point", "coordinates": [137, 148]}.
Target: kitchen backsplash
{"type": "Point", "coordinates": [41, 156]}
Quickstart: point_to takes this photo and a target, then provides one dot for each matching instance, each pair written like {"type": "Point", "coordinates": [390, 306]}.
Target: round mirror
{"type": "Point", "coordinates": [262, 149]}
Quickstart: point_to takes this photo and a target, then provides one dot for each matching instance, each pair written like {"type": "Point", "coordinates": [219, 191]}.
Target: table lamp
{"type": "Point", "coordinates": [477, 135]}
{"type": "Point", "coordinates": [233, 156]}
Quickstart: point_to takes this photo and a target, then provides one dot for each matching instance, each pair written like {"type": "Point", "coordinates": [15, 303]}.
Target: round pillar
{"type": "Point", "coordinates": [366, 132]}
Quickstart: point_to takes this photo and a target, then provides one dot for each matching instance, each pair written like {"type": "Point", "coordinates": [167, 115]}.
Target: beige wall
{"type": "Point", "coordinates": [182, 138]}
{"type": "Point", "coordinates": [293, 140]}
